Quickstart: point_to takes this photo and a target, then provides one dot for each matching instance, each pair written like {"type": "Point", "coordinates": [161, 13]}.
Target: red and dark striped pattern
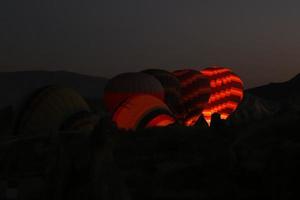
{"type": "Point", "coordinates": [195, 91]}
{"type": "Point", "coordinates": [170, 84]}
{"type": "Point", "coordinates": [226, 92]}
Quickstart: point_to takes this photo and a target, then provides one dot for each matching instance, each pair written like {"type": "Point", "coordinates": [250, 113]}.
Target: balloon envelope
{"type": "Point", "coordinates": [49, 109]}
{"type": "Point", "coordinates": [142, 111]}
{"type": "Point", "coordinates": [227, 92]}
{"type": "Point", "coordinates": [125, 85]}
{"type": "Point", "coordinates": [170, 84]}
{"type": "Point", "coordinates": [195, 90]}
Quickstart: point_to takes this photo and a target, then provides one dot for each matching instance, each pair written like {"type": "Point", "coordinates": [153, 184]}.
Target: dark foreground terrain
{"type": "Point", "coordinates": [254, 155]}
{"type": "Point", "coordinates": [258, 161]}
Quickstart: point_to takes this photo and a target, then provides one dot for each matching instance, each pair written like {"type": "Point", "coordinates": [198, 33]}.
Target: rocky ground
{"type": "Point", "coordinates": [257, 161]}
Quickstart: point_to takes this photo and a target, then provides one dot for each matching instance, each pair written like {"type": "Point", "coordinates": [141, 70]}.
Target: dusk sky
{"type": "Point", "coordinates": [259, 39]}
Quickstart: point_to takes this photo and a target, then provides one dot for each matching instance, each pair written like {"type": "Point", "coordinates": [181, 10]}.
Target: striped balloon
{"type": "Point", "coordinates": [170, 84]}
{"type": "Point", "coordinates": [195, 91]}
{"type": "Point", "coordinates": [226, 92]}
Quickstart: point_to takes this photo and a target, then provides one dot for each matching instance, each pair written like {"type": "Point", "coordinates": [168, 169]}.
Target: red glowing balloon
{"type": "Point", "coordinates": [142, 111]}
{"type": "Point", "coordinates": [226, 92]}
{"type": "Point", "coordinates": [195, 90]}
{"type": "Point", "coordinates": [123, 86]}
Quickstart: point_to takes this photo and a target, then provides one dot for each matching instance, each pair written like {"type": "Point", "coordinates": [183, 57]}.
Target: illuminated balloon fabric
{"type": "Point", "coordinates": [142, 111]}
{"type": "Point", "coordinates": [122, 86]}
{"type": "Point", "coordinates": [227, 92]}
{"type": "Point", "coordinates": [195, 91]}
{"type": "Point", "coordinates": [170, 84]}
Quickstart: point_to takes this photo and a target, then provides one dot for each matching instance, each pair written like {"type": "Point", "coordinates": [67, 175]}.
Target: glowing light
{"type": "Point", "coordinates": [226, 87]}
{"type": "Point", "coordinates": [161, 121]}
{"type": "Point", "coordinates": [132, 113]}
{"type": "Point", "coordinates": [196, 90]}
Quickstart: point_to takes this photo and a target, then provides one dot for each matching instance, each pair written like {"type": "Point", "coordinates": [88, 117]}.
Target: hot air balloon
{"type": "Point", "coordinates": [52, 109]}
{"type": "Point", "coordinates": [170, 84]}
{"type": "Point", "coordinates": [142, 111]}
{"type": "Point", "coordinates": [123, 86]}
{"type": "Point", "coordinates": [83, 120]}
{"type": "Point", "coordinates": [195, 90]}
{"type": "Point", "coordinates": [227, 92]}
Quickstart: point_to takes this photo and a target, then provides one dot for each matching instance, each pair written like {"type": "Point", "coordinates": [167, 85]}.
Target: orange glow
{"type": "Point", "coordinates": [161, 121]}
{"type": "Point", "coordinates": [135, 109]}
{"type": "Point", "coordinates": [114, 99]}
{"type": "Point", "coordinates": [237, 92]}
{"type": "Point", "coordinates": [214, 71]}
{"type": "Point", "coordinates": [225, 87]}
{"type": "Point", "coordinates": [196, 93]}
{"type": "Point", "coordinates": [213, 84]}
{"type": "Point", "coordinates": [196, 90]}
{"type": "Point", "coordinates": [192, 121]}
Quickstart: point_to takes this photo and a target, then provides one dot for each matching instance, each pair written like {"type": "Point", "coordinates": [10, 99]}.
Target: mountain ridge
{"type": "Point", "coordinates": [278, 92]}
{"type": "Point", "coordinates": [18, 85]}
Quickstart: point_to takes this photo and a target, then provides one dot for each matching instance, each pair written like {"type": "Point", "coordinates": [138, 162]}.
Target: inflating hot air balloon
{"type": "Point", "coordinates": [52, 109]}
{"type": "Point", "coordinates": [170, 84]}
{"type": "Point", "coordinates": [195, 90]}
{"type": "Point", "coordinates": [227, 92]}
{"type": "Point", "coordinates": [83, 120]}
{"type": "Point", "coordinates": [123, 86]}
{"type": "Point", "coordinates": [142, 111]}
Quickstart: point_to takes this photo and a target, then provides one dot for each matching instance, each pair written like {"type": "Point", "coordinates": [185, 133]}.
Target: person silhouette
{"type": "Point", "coordinates": [216, 121]}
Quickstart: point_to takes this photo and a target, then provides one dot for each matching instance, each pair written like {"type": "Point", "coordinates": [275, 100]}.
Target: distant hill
{"type": "Point", "coordinates": [263, 102]}
{"type": "Point", "coordinates": [279, 92]}
{"type": "Point", "coordinates": [252, 109]}
{"type": "Point", "coordinates": [15, 86]}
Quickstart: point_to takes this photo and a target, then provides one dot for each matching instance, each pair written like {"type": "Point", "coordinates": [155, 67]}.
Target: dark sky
{"type": "Point", "coordinates": [259, 39]}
